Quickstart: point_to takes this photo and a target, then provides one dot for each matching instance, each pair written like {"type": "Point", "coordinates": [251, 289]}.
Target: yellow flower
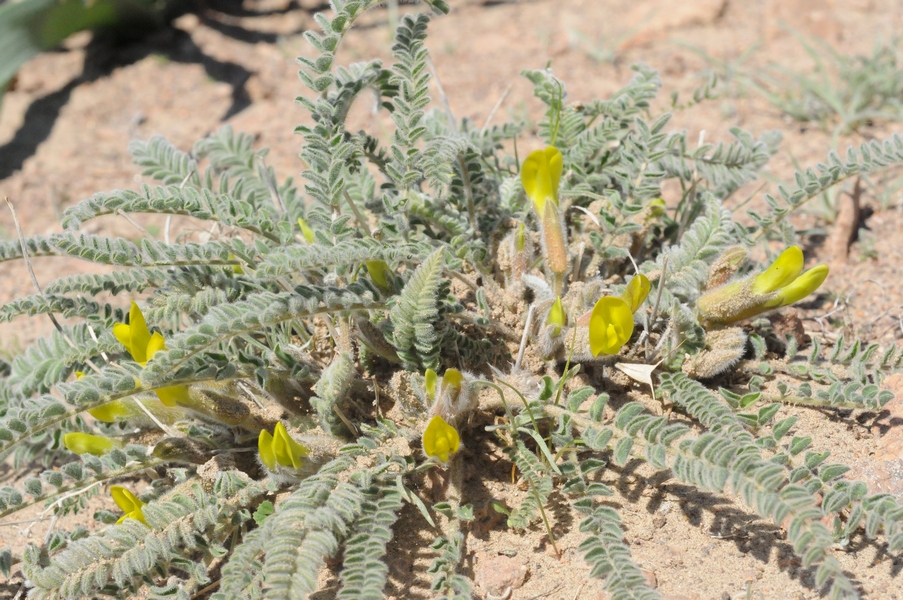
{"type": "Point", "coordinates": [128, 503]}
{"type": "Point", "coordinates": [306, 231]}
{"type": "Point", "coordinates": [636, 292]}
{"type": "Point", "coordinates": [558, 319]}
{"type": "Point", "coordinates": [85, 443]}
{"type": "Point", "coordinates": [802, 286]}
{"type": "Point", "coordinates": [174, 395]}
{"type": "Point", "coordinates": [379, 273]}
{"type": "Point", "coordinates": [440, 440]}
{"type": "Point", "coordinates": [137, 339]}
{"type": "Point", "coordinates": [540, 175]}
{"type": "Point", "coordinates": [119, 410]}
{"type": "Point", "coordinates": [783, 277]}
{"type": "Point", "coordinates": [280, 449]}
{"type": "Point", "coordinates": [781, 284]}
{"type": "Point", "coordinates": [111, 412]}
{"type": "Point", "coordinates": [429, 382]}
{"type": "Point", "coordinates": [611, 322]}
{"type": "Point", "coordinates": [610, 326]}
{"type": "Point", "coordinates": [452, 379]}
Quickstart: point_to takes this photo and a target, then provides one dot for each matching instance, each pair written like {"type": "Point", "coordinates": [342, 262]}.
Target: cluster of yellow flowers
{"type": "Point", "coordinates": [141, 345]}
{"type": "Point", "coordinates": [611, 323]}
{"type": "Point", "coordinates": [611, 326]}
{"type": "Point", "coordinates": [278, 451]}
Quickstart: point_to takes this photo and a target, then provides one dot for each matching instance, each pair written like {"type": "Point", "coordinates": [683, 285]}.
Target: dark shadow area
{"type": "Point", "coordinates": [101, 58]}
{"type": "Point", "coordinates": [106, 53]}
{"type": "Point", "coordinates": [405, 579]}
{"type": "Point", "coordinates": [213, 18]}
{"type": "Point", "coordinates": [731, 522]}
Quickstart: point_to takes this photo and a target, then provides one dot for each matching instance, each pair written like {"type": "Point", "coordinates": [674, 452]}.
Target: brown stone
{"type": "Point", "coordinates": [495, 574]}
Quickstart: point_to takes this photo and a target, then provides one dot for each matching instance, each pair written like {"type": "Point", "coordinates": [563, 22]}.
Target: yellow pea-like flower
{"type": "Point", "coordinates": [440, 440]}
{"type": "Point", "coordinates": [174, 395]}
{"type": "Point", "coordinates": [137, 339]}
{"type": "Point", "coordinates": [611, 321]}
{"type": "Point", "coordinates": [430, 381]}
{"type": "Point", "coordinates": [119, 410]}
{"type": "Point", "coordinates": [265, 449]}
{"type": "Point", "coordinates": [127, 503]}
{"type": "Point", "coordinates": [610, 325]}
{"type": "Point", "coordinates": [306, 231]}
{"type": "Point", "coordinates": [379, 273]}
{"type": "Point", "coordinates": [802, 286]}
{"type": "Point", "coordinates": [280, 449]}
{"type": "Point", "coordinates": [85, 443]}
{"type": "Point", "coordinates": [558, 318]}
{"type": "Point", "coordinates": [135, 335]}
{"type": "Point", "coordinates": [782, 271]}
{"type": "Point", "coordinates": [781, 284]}
{"type": "Point", "coordinates": [540, 175]}
{"type": "Point", "coordinates": [111, 412]}
{"type": "Point", "coordinates": [636, 292]}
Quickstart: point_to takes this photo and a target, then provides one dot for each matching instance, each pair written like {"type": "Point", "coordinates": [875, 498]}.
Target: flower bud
{"type": "Point", "coordinates": [454, 396]}
{"type": "Point", "coordinates": [540, 175]}
{"type": "Point", "coordinates": [557, 318]}
{"type": "Point", "coordinates": [725, 266]}
{"type": "Point", "coordinates": [306, 231]}
{"type": "Point", "coordinates": [636, 292]}
{"type": "Point", "coordinates": [779, 285]}
{"type": "Point", "coordinates": [85, 443]}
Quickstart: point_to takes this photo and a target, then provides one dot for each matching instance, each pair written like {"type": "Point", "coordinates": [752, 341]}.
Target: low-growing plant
{"type": "Point", "coordinates": [843, 93]}
{"type": "Point", "coordinates": [279, 389]}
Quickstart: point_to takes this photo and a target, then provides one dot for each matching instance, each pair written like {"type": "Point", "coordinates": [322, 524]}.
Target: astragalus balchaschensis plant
{"type": "Point", "coordinates": [281, 387]}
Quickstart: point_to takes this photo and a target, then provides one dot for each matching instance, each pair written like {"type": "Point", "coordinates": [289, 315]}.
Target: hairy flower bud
{"type": "Point", "coordinates": [540, 175]}
{"type": "Point", "coordinates": [779, 285]}
{"type": "Point", "coordinates": [85, 443]}
{"type": "Point", "coordinates": [454, 396]}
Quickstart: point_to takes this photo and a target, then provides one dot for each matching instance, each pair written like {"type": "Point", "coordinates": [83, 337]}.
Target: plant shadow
{"type": "Point", "coordinates": [105, 53]}
{"type": "Point", "coordinates": [728, 521]}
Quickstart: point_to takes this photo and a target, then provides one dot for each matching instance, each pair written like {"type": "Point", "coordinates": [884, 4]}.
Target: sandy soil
{"type": "Point", "coordinates": [65, 126]}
